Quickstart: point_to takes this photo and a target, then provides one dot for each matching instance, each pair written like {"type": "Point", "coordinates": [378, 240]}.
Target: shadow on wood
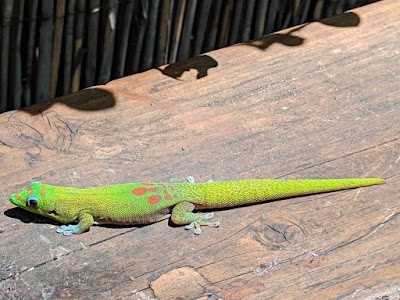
{"type": "Point", "coordinates": [200, 63]}
{"type": "Point", "coordinates": [349, 19]}
{"type": "Point", "coordinates": [91, 99]}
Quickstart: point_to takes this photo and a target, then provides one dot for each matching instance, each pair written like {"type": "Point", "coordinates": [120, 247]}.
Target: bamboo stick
{"type": "Point", "coordinates": [201, 26]}
{"type": "Point", "coordinates": [78, 45]}
{"type": "Point", "coordinates": [247, 22]}
{"type": "Point", "coordinates": [184, 48]}
{"type": "Point", "coordinates": [138, 36]}
{"type": "Point", "coordinates": [212, 30]}
{"type": "Point", "coordinates": [260, 18]}
{"type": "Point", "coordinates": [149, 44]}
{"type": "Point", "coordinates": [68, 56]}
{"type": "Point", "coordinates": [111, 13]}
{"type": "Point", "coordinates": [177, 30]}
{"type": "Point", "coordinates": [164, 33]}
{"type": "Point", "coordinates": [30, 50]}
{"type": "Point", "coordinates": [226, 24]}
{"type": "Point", "coordinates": [15, 84]}
{"type": "Point", "coordinates": [92, 44]}
{"type": "Point", "coordinates": [45, 48]}
{"type": "Point", "coordinates": [124, 27]}
{"type": "Point", "coordinates": [57, 42]}
{"type": "Point", "coordinates": [6, 9]}
{"type": "Point", "coordinates": [236, 20]}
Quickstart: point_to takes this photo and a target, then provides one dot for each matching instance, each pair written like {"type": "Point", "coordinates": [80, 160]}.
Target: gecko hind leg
{"type": "Point", "coordinates": [182, 214]}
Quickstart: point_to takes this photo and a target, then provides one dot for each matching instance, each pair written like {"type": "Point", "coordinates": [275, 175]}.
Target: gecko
{"type": "Point", "coordinates": [144, 202]}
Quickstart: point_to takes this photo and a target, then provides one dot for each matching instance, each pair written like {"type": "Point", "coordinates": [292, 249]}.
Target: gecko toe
{"type": "Point", "coordinates": [207, 216]}
{"type": "Point", "coordinates": [189, 226]}
{"type": "Point", "coordinates": [197, 231]}
{"type": "Point", "coordinates": [212, 224]}
{"type": "Point", "coordinates": [196, 225]}
{"type": "Point", "coordinates": [68, 230]}
{"type": "Point", "coordinates": [190, 179]}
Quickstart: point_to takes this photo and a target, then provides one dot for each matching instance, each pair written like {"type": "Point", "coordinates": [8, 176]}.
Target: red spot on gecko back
{"type": "Point", "coordinates": [154, 199]}
{"type": "Point", "coordinates": [167, 196]}
{"type": "Point", "coordinates": [140, 191]}
{"type": "Point", "coordinates": [146, 188]}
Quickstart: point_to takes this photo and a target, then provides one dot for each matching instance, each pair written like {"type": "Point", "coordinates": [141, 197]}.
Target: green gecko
{"type": "Point", "coordinates": [142, 202]}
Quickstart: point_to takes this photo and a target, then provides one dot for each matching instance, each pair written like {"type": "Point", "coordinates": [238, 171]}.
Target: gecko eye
{"type": "Point", "coordinates": [33, 201]}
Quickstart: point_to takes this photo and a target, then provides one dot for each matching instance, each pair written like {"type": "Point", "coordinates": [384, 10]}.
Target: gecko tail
{"type": "Point", "coordinates": [241, 192]}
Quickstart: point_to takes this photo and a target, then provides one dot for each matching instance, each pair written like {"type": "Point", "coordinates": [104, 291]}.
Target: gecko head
{"type": "Point", "coordinates": [33, 199]}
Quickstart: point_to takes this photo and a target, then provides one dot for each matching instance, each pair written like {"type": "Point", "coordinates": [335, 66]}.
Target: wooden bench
{"type": "Point", "coordinates": [316, 101]}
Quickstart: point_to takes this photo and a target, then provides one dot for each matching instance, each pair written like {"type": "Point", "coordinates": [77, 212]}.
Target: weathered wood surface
{"type": "Point", "coordinates": [319, 101]}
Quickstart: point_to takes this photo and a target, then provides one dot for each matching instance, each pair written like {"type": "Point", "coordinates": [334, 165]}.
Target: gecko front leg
{"type": "Point", "coordinates": [85, 220]}
{"type": "Point", "coordinates": [182, 214]}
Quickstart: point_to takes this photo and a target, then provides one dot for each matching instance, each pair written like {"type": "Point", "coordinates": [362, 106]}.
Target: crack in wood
{"type": "Point", "coordinates": [338, 158]}
{"type": "Point", "coordinates": [372, 230]}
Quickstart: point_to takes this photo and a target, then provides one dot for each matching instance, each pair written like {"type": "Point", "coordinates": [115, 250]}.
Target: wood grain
{"type": "Point", "coordinates": [320, 100]}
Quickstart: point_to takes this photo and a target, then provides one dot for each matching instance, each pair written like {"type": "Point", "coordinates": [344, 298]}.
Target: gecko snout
{"type": "Point", "coordinates": [13, 199]}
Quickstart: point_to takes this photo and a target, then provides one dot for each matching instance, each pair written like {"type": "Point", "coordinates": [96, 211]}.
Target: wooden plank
{"type": "Point", "coordinates": [327, 107]}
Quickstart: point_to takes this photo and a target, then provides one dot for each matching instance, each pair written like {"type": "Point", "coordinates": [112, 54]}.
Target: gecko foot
{"type": "Point", "coordinates": [182, 214]}
{"type": "Point", "coordinates": [198, 223]}
{"type": "Point", "coordinates": [68, 229]}
{"type": "Point", "coordinates": [189, 179]}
